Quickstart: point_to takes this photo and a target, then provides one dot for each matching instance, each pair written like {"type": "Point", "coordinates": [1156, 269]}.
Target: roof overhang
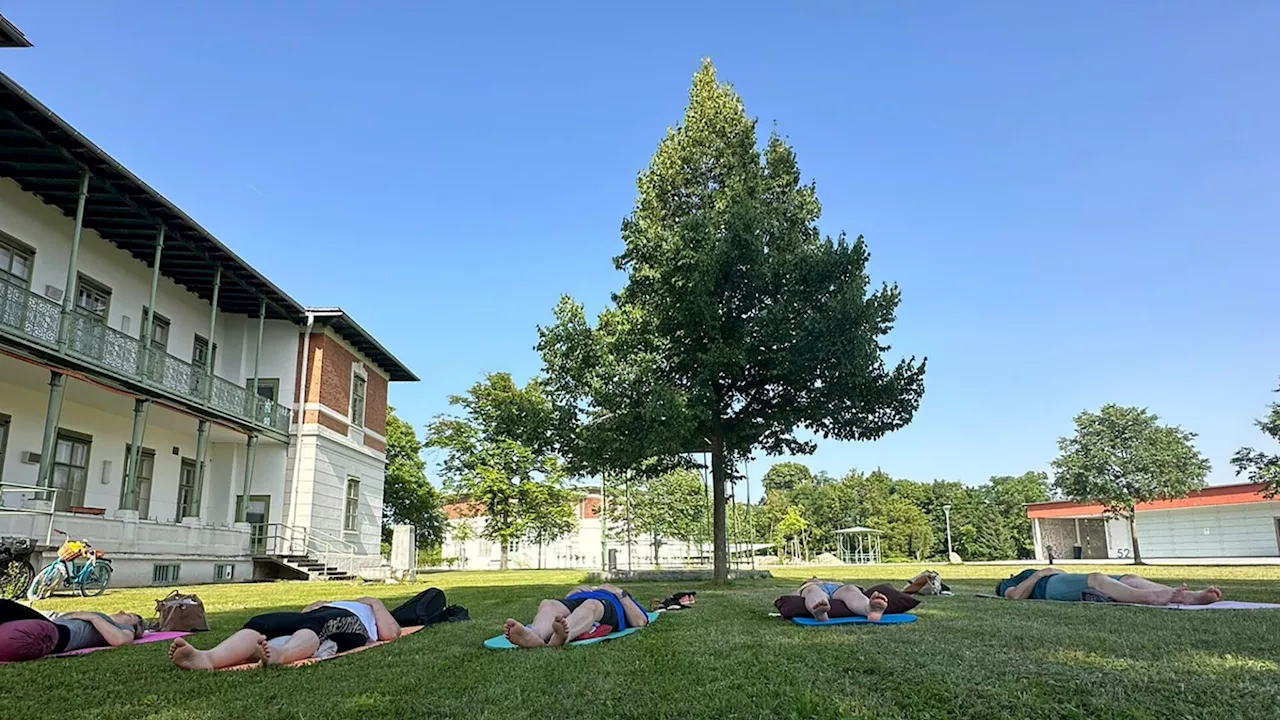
{"type": "Point", "coordinates": [350, 331]}
{"type": "Point", "coordinates": [47, 157]}
{"type": "Point", "coordinates": [1238, 494]}
{"type": "Point", "coordinates": [11, 36]}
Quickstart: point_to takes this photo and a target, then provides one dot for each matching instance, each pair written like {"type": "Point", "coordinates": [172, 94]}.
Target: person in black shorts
{"type": "Point", "coordinates": [347, 624]}
{"type": "Point", "coordinates": [559, 622]}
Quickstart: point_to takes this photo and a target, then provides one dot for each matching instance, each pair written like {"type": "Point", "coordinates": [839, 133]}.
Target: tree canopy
{"type": "Point", "coordinates": [739, 323]}
{"type": "Point", "coordinates": [787, 476]}
{"type": "Point", "coordinates": [407, 496]}
{"type": "Point", "coordinates": [1122, 456]}
{"type": "Point", "coordinates": [1261, 467]}
{"type": "Point", "coordinates": [499, 454]}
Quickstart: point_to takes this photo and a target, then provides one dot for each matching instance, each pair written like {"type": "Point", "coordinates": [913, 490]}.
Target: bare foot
{"type": "Point", "coordinates": [264, 653]}
{"type": "Point", "coordinates": [878, 605]}
{"type": "Point", "coordinates": [559, 632]}
{"type": "Point", "coordinates": [182, 654]}
{"type": "Point", "coordinates": [520, 636]}
{"type": "Point", "coordinates": [820, 609]}
{"type": "Point", "coordinates": [1207, 596]}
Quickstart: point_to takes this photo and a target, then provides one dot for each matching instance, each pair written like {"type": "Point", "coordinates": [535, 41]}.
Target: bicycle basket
{"type": "Point", "coordinates": [71, 549]}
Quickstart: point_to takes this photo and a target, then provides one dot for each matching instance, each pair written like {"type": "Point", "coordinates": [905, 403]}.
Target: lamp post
{"type": "Point", "coordinates": [946, 509]}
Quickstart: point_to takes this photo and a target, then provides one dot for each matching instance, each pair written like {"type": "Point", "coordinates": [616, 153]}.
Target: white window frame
{"type": "Point", "coordinates": [13, 247]}
{"type": "Point", "coordinates": [351, 505]}
{"type": "Point", "coordinates": [224, 572]}
{"type": "Point", "coordinates": [357, 370]}
{"type": "Point", "coordinates": [85, 282]}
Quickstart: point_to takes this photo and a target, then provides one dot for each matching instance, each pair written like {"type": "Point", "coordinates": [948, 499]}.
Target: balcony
{"type": "Point", "coordinates": [87, 339]}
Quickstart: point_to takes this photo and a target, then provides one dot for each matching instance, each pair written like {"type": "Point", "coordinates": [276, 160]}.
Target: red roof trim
{"type": "Point", "coordinates": [1219, 495]}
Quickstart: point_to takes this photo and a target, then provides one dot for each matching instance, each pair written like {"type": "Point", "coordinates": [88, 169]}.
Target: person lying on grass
{"type": "Point", "coordinates": [1053, 584]}
{"type": "Point", "coordinates": [347, 624]}
{"type": "Point", "coordinates": [28, 635]}
{"type": "Point", "coordinates": [818, 595]}
{"type": "Point", "coordinates": [559, 622]}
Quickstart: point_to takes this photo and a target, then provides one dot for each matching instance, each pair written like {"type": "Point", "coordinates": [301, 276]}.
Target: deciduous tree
{"type": "Point", "coordinates": [407, 496]}
{"type": "Point", "coordinates": [1258, 466]}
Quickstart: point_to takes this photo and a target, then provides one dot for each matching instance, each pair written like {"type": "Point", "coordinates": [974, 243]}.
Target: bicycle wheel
{"type": "Point", "coordinates": [45, 582]}
{"type": "Point", "coordinates": [96, 581]}
{"type": "Point", "coordinates": [16, 575]}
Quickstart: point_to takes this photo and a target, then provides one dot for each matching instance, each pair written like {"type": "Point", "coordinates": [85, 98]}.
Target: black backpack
{"type": "Point", "coordinates": [428, 608]}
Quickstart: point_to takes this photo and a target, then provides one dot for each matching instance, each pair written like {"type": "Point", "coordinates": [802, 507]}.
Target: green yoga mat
{"type": "Point", "coordinates": [502, 643]}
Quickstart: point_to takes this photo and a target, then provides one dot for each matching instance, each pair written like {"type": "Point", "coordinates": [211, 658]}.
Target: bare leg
{"type": "Point", "coordinates": [548, 611]}
{"type": "Point", "coordinates": [579, 622]}
{"type": "Point", "coordinates": [1141, 583]}
{"type": "Point", "coordinates": [1121, 592]}
{"type": "Point", "coordinates": [242, 647]}
{"type": "Point", "coordinates": [301, 645]}
{"type": "Point", "coordinates": [872, 608]}
{"type": "Point", "coordinates": [816, 601]}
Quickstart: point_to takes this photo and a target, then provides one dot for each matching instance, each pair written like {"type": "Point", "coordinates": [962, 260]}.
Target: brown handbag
{"type": "Point", "coordinates": [181, 613]}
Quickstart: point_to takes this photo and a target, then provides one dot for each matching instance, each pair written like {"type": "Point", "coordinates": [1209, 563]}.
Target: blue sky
{"type": "Point", "coordinates": [1079, 201]}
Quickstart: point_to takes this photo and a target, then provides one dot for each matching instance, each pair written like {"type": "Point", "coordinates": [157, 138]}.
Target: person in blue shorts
{"type": "Point", "coordinates": [818, 595]}
{"type": "Point", "coordinates": [1052, 583]}
{"type": "Point", "coordinates": [558, 622]}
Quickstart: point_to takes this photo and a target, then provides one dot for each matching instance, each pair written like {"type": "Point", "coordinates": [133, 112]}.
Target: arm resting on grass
{"type": "Point", "coordinates": [388, 628]}
{"type": "Point", "coordinates": [1022, 590]}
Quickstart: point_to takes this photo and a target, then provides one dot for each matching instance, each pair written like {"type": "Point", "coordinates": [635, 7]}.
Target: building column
{"type": "Point", "coordinates": [1037, 539]}
{"type": "Point", "coordinates": [213, 323]}
{"type": "Point", "coordinates": [57, 384]}
{"type": "Point", "coordinates": [251, 452]}
{"type": "Point", "coordinates": [140, 407]}
{"type": "Point", "coordinates": [144, 357]}
{"type": "Point", "coordinates": [202, 449]}
{"type": "Point", "coordinates": [257, 360]}
{"type": "Point", "coordinates": [69, 292]}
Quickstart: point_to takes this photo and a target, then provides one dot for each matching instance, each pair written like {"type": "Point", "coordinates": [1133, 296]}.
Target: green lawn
{"type": "Point", "coordinates": [966, 657]}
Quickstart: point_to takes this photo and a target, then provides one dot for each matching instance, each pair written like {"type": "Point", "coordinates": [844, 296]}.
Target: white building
{"type": "Point", "coordinates": [1221, 522]}
{"type": "Point", "coordinates": [124, 324]}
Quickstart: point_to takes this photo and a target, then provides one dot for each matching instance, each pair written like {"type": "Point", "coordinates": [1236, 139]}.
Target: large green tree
{"type": "Point", "coordinates": [548, 513]}
{"type": "Point", "coordinates": [498, 453]}
{"type": "Point", "coordinates": [740, 323]}
{"type": "Point", "coordinates": [1261, 467]}
{"type": "Point", "coordinates": [407, 496]}
{"type": "Point", "coordinates": [1122, 456]}
{"type": "Point", "coordinates": [787, 476]}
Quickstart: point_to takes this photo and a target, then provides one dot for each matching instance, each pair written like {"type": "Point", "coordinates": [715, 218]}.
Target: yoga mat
{"type": "Point", "coordinates": [1220, 605]}
{"type": "Point", "coordinates": [148, 638]}
{"type": "Point", "coordinates": [313, 660]}
{"type": "Point", "coordinates": [502, 643]}
{"type": "Point", "coordinates": [897, 619]}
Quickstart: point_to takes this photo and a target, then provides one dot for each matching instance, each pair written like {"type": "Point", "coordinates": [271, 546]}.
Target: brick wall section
{"type": "Point", "coordinates": [375, 403]}
{"type": "Point", "coordinates": [375, 444]}
{"type": "Point", "coordinates": [335, 376]}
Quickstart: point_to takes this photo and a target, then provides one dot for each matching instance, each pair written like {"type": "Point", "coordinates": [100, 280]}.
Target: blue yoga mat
{"type": "Point", "coordinates": [502, 643]}
{"type": "Point", "coordinates": [856, 620]}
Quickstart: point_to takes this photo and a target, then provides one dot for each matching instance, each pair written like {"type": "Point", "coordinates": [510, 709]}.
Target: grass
{"type": "Point", "coordinates": [966, 658]}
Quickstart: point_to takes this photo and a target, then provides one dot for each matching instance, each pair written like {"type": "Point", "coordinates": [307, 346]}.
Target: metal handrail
{"type": "Point", "coordinates": [311, 545]}
{"type": "Point", "coordinates": [53, 503]}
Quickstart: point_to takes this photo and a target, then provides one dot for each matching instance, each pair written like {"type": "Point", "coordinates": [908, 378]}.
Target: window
{"type": "Point", "coordinates": [92, 298]}
{"type": "Point", "coordinates": [201, 356]}
{"type": "Point", "coordinates": [70, 469]}
{"type": "Point", "coordinates": [15, 263]}
{"type": "Point", "coordinates": [224, 573]}
{"type": "Point", "coordinates": [350, 519]}
{"type": "Point", "coordinates": [146, 470]}
{"type": "Point", "coordinates": [269, 388]}
{"type": "Point", "coordinates": [188, 490]}
{"type": "Point", "coordinates": [165, 574]}
{"type": "Point", "coordinates": [159, 330]}
{"type": "Point", "coordinates": [358, 383]}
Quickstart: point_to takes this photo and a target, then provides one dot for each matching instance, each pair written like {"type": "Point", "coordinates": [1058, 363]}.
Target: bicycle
{"type": "Point", "coordinates": [89, 579]}
{"type": "Point", "coordinates": [16, 571]}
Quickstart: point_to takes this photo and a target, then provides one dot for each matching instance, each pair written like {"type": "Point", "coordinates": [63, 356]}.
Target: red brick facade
{"type": "Point", "coordinates": [329, 384]}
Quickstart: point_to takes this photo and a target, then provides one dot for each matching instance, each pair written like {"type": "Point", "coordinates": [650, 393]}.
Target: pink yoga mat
{"type": "Point", "coordinates": [148, 638]}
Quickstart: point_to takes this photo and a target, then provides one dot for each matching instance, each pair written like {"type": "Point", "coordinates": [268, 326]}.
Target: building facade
{"type": "Point", "coordinates": [1222, 522]}
{"type": "Point", "coordinates": [159, 397]}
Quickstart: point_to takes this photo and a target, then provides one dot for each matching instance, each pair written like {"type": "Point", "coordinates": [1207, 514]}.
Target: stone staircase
{"type": "Point", "coordinates": [312, 568]}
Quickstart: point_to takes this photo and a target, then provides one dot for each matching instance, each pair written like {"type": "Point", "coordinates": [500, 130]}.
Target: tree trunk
{"type": "Point", "coordinates": [1133, 538]}
{"type": "Point", "coordinates": [502, 562]}
{"type": "Point", "coordinates": [719, 538]}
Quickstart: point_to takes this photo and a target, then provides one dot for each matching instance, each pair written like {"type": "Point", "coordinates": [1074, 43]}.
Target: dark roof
{"type": "Point", "coordinates": [46, 157]}
{"type": "Point", "coordinates": [11, 36]}
{"type": "Point", "coordinates": [349, 330]}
